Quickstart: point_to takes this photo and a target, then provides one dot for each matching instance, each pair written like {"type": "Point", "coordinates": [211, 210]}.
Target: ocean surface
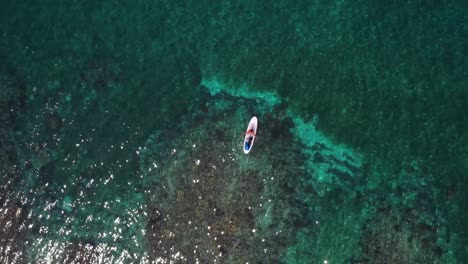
{"type": "Point", "coordinates": [122, 124]}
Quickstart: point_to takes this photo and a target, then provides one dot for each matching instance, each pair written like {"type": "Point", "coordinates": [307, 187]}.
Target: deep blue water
{"type": "Point", "coordinates": [122, 125]}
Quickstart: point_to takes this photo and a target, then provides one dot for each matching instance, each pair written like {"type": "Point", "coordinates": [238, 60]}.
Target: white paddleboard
{"type": "Point", "coordinates": [250, 135]}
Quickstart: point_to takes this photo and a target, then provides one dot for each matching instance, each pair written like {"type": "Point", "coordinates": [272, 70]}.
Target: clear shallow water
{"type": "Point", "coordinates": [122, 127]}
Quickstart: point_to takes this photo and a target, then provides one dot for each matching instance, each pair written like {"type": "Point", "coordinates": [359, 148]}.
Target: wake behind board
{"type": "Point", "coordinates": [250, 135]}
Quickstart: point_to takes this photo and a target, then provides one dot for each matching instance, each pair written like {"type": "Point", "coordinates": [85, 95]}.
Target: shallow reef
{"type": "Point", "coordinates": [210, 202]}
{"type": "Point", "coordinates": [194, 196]}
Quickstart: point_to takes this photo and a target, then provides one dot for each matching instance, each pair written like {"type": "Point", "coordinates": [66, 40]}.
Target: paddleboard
{"type": "Point", "coordinates": [250, 135]}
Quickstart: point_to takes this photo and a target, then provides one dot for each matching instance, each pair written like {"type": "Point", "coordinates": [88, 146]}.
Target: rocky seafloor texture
{"type": "Point", "coordinates": [212, 203]}
{"type": "Point", "coordinates": [194, 196]}
{"type": "Point", "coordinates": [121, 125]}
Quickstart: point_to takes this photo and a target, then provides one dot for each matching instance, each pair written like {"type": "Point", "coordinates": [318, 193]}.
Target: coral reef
{"type": "Point", "coordinates": [209, 202]}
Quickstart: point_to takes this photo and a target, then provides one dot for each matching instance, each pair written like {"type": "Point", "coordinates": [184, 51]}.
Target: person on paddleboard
{"type": "Point", "coordinates": [250, 132]}
{"type": "Point", "coordinates": [251, 135]}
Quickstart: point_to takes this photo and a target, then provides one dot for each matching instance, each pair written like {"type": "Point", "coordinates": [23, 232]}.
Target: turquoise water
{"type": "Point", "coordinates": [122, 125]}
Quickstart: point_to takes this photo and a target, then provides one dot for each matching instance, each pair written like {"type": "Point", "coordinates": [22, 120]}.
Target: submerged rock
{"type": "Point", "coordinates": [210, 202]}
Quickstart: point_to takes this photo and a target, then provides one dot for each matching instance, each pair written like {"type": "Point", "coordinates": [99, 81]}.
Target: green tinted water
{"type": "Point", "coordinates": [122, 124]}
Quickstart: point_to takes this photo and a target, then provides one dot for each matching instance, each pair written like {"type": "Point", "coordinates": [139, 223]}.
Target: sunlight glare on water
{"type": "Point", "coordinates": [122, 142]}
